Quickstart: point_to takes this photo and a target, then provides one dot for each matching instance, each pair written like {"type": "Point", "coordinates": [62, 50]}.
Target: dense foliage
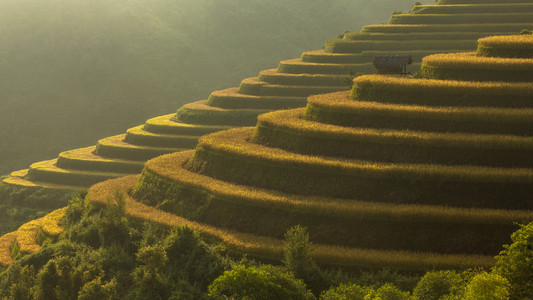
{"type": "Point", "coordinates": [20, 205]}
{"type": "Point", "coordinates": [101, 254]}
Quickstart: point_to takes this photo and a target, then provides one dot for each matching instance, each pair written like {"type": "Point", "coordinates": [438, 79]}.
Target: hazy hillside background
{"type": "Point", "coordinates": [74, 71]}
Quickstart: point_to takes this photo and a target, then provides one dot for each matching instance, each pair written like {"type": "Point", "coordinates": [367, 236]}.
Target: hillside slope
{"type": "Point", "coordinates": [425, 30]}
{"type": "Point", "coordinates": [74, 71]}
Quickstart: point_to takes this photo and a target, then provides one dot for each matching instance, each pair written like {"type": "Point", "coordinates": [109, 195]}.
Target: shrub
{"type": "Point", "coordinates": [17, 282]}
{"type": "Point", "coordinates": [259, 283]}
{"type": "Point", "coordinates": [487, 286]}
{"type": "Point", "coordinates": [150, 280]}
{"type": "Point", "coordinates": [345, 292]}
{"type": "Point", "coordinates": [515, 263]}
{"type": "Point", "coordinates": [437, 284]}
{"type": "Point", "coordinates": [387, 292]}
{"type": "Point", "coordinates": [113, 225]}
{"type": "Point", "coordinates": [95, 289]}
{"type": "Point", "coordinates": [296, 259]}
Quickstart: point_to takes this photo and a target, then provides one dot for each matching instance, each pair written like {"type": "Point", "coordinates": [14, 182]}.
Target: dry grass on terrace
{"type": "Point", "coordinates": [27, 236]}
{"type": "Point", "coordinates": [50, 222]}
{"type": "Point", "coordinates": [469, 60]}
{"type": "Point", "coordinates": [266, 247]}
{"type": "Point", "coordinates": [234, 143]}
{"type": "Point", "coordinates": [106, 192]}
{"type": "Point", "coordinates": [6, 241]}
{"type": "Point", "coordinates": [341, 102]}
{"type": "Point", "coordinates": [523, 41]}
{"type": "Point", "coordinates": [290, 120]}
{"type": "Point", "coordinates": [169, 167]}
{"type": "Point", "coordinates": [447, 86]}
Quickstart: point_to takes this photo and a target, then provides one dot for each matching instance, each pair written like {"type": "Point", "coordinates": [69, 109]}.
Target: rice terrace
{"type": "Point", "coordinates": [428, 172]}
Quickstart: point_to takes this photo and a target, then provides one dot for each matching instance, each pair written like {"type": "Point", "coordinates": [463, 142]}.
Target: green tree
{"type": "Point", "coordinates": [515, 263]}
{"type": "Point", "coordinates": [113, 227]}
{"type": "Point", "coordinates": [190, 259]}
{"type": "Point", "coordinates": [437, 284]}
{"type": "Point", "coordinates": [47, 282]}
{"type": "Point", "coordinates": [150, 279]}
{"type": "Point", "coordinates": [259, 283]}
{"type": "Point", "coordinates": [297, 260]}
{"type": "Point", "coordinates": [346, 292]}
{"type": "Point", "coordinates": [387, 292]}
{"type": "Point", "coordinates": [96, 290]}
{"type": "Point", "coordinates": [487, 286]}
{"type": "Point", "coordinates": [22, 282]}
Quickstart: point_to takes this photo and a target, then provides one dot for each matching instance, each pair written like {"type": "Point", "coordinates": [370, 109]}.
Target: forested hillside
{"type": "Point", "coordinates": [75, 71]}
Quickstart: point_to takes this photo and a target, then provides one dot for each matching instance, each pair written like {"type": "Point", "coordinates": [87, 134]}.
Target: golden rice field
{"type": "Point", "coordinates": [234, 143]}
{"type": "Point", "coordinates": [169, 168]}
{"type": "Point", "coordinates": [469, 2]}
{"type": "Point", "coordinates": [291, 121]}
{"type": "Point", "coordinates": [515, 46]}
{"type": "Point", "coordinates": [342, 102]}
{"type": "Point", "coordinates": [398, 83]}
{"type": "Point", "coordinates": [26, 236]}
{"type": "Point", "coordinates": [281, 170]}
{"type": "Point", "coordinates": [469, 60]}
{"type": "Point", "coordinates": [271, 248]}
{"type": "Point", "coordinates": [514, 27]}
{"type": "Point", "coordinates": [51, 222]}
{"type": "Point", "coordinates": [522, 41]}
{"type": "Point", "coordinates": [6, 241]}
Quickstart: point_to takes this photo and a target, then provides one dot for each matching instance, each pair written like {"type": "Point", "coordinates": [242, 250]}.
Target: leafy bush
{"type": "Point", "coordinates": [345, 292]}
{"type": "Point", "coordinates": [515, 263]}
{"type": "Point", "coordinates": [259, 283]}
{"type": "Point", "coordinates": [487, 286]}
{"type": "Point", "coordinates": [437, 284]}
{"type": "Point", "coordinates": [297, 260]}
{"type": "Point", "coordinates": [150, 281]}
{"type": "Point", "coordinates": [387, 292]}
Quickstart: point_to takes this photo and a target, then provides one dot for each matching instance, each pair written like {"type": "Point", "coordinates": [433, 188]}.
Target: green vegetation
{"type": "Point", "coordinates": [261, 283]}
{"type": "Point", "coordinates": [515, 263]}
{"type": "Point", "coordinates": [485, 286]}
{"type": "Point", "coordinates": [103, 252]}
{"type": "Point", "coordinates": [328, 200]}
{"type": "Point", "coordinates": [20, 205]}
{"type": "Point", "coordinates": [367, 186]}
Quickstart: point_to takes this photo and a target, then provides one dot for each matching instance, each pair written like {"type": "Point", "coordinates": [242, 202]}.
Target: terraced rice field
{"type": "Point", "coordinates": [361, 172]}
{"type": "Point", "coordinates": [382, 176]}
{"type": "Point", "coordinates": [26, 239]}
{"type": "Point", "coordinates": [428, 29]}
